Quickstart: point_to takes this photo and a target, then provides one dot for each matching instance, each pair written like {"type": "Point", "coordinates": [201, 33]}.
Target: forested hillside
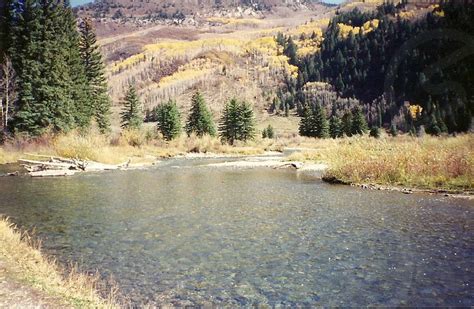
{"type": "Point", "coordinates": [403, 70]}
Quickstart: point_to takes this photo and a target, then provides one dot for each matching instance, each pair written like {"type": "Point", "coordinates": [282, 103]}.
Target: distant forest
{"type": "Point", "coordinates": [406, 72]}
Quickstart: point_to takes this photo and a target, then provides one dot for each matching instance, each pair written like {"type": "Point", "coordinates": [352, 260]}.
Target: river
{"type": "Point", "coordinates": [183, 233]}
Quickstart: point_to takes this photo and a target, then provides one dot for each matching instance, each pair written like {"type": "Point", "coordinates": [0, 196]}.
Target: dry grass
{"type": "Point", "coordinates": [144, 146]}
{"type": "Point", "coordinates": [428, 163]}
{"type": "Point", "coordinates": [24, 259]}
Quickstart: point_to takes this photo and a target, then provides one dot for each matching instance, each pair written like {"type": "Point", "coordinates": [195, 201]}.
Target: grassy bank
{"type": "Point", "coordinates": [28, 267]}
{"type": "Point", "coordinates": [425, 163]}
{"type": "Point", "coordinates": [140, 147]}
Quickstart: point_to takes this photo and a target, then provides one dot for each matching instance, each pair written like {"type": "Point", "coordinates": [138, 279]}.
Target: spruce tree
{"type": "Point", "coordinates": [393, 130]}
{"type": "Point", "coordinates": [270, 132]}
{"type": "Point", "coordinates": [306, 121]}
{"type": "Point", "coordinates": [131, 115]}
{"type": "Point", "coordinates": [246, 122]}
{"type": "Point", "coordinates": [433, 127]}
{"type": "Point", "coordinates": [374, 132]}
{"type": "Point", "coordinates": [32, 115]}
{"type": "Point", "coordinates": [335, 127]}
{"type": "Point", "coordinates": [169, 120]}
{"type": "Point", "coordinates": [228, 128]}
{"type": "Point", "coordinates": [359, 124]}
{"type": "Point", "coordinates": [78, 90]}
{"type": "Point", "coordinates": [347, 123]}
{"type": "Point", "coordinates": [95, 74]}
{"type": "Point", "coordinates": [320, 125]}
{"type": "Point", "coordinates": [237, 122]}
{"type": "Point", "coordinates": [53, 88]}
{"type": "Point", "coordinates": [200, 118]}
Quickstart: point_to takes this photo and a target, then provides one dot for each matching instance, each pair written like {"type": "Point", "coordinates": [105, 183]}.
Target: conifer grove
{"type": "Point", "coordinates": [60, 83]}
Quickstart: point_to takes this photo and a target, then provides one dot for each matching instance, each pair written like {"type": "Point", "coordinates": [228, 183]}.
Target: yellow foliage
{"type": "Point", "coordinates": [407, 15]}
{"type": "Point", "coordinates": [190, 71]}
{"type": "Point", "coordinates": [235, 21]}
{"type": "Point", "coordinates": [439, 13]}
{"type": "Point", "coordinates": [415, 111]}
{"type": "Point", "coordinates": [367, 27]}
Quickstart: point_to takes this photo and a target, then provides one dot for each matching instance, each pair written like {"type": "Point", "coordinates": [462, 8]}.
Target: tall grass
{"type": "Point", "coordinates": [25, 262]}
{"type": "Point", "coordinates": [141, 146]}
{"type": "Point", "coordinates": [428, 162]}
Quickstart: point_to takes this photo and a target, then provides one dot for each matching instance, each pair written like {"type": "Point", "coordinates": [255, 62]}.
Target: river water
{"type": "Point", "coordinates": [182, 233]}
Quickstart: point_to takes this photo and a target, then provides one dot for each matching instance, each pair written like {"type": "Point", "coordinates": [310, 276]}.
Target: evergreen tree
{"type": "Point", "coordinates": [131, 115]}
{"type": "Point", "coordinates": [374, 132]}
{"type": "Point", "coordinates": [393, 130]}
{"type": "Point", "coordinates": [347, 123]}
{"type": "Point", "coordinates": [246, 122]}
{"type": "Point", "coordinates": [290, 51]}
{"type": "Point", "coordinates": [53, 88]}
{"type": "Point", "coordinates": [320, 125]}
{"type": "Point", "coordinates": [169, 120]}
{"type": "Point", "coordinates": [270, 132]}
{"type": "Point", "coordinates": [228, 128]}
{"type": "Point", "coordinates": [200, 118]}
{"type": "Point", "coordinates": [237, 122]}
{"type": "Point", "coordinates": [95, 73]}
{"type": "Point", "coordinates": [306, 122]}
{"type": "Point", "coordinates": [32, 115]}
{"type": "Point", "coordinates": [79, 86]}
{"type": "Point", "coordinates": [433, 127]}
{"type": "Point", "coordinates": [359, 124]}
{"type": "Point", "coordinates": [335, 127]}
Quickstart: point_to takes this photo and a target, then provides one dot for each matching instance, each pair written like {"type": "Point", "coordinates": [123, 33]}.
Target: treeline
{"type": "Point", "coordinates": [237, 122]}
{"type": "Point", "coordinates": [370, 65]}
{"type": "Point", "coordinates": [57, 79]}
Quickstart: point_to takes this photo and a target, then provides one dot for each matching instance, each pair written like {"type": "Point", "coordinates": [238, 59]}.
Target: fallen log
{"type": "Point", "coordinates": [52, 158]}
{"type": "Point", "coordinates": [58, 166]}
{"type": "Point", "coordinates": [50, 165]}
{"type": "Point", "coordinates": [52, 173]}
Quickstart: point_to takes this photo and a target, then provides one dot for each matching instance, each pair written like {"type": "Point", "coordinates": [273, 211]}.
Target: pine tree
{"type": "Point", "coordinates": [131, 115]}
{"type": "Point", "coordinates": [320, 125]}
{"type": "Point", "coordinates": [335, 127]}
{"type": "Point", "coordinates": [200, 118]}
{"type": "Point", "coordinates": [347, 123]}
{"type": "Point", "coordinates": [246, 122]}
{"type": "Point", "coordinates": [306, 121]}
{"type": "Point", "coordinates": [237, 122]}
{"type": "Point", "coordinates": [393, 130]}
{"type": "Point", "coordinates": [433, 127]}
{"type": "Point", "coordinates": [374, 132]}
{"type": "Point", "coordinates": [270, 132]}
{"type": "Point", "coordinates": [78, 90]}
{"type": "Point", "coordinates": [32, 115]}
{"type": "Point", "coordinates": [169, 120]}
{"type": "Point", "coordinates": [359, 124]}
{"type": "Point", "coordinates": [95, 73]}
{"type": "Point", "coordinates": [228, 128]}
{"type": "Point", "coordinates": [53, 88]}
{"type": "Point", "coordinates": [291, 51]}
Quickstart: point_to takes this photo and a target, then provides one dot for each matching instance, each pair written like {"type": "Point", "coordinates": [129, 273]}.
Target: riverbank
{"type": "Point", "coordinates": [29, 279]}
{"type": "Point", "coordinates": [435, 164]}
{"type": "Point", "coordinates": [428, 163]}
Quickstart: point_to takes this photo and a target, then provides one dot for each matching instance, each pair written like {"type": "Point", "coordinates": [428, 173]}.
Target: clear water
{"type": "Point", "coordinates": [183, 234]}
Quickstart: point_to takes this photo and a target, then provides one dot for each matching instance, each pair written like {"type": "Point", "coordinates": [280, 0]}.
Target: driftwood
{"type": "Point", "coordinates": [57, 166]}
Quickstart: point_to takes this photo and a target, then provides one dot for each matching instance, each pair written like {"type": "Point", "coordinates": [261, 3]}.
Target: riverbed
{"type": "Point", "coordinates": [186, 232]}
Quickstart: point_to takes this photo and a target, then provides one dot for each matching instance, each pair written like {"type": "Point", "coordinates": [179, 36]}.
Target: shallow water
{"type": "Point", "coordinates": [182, 233]}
